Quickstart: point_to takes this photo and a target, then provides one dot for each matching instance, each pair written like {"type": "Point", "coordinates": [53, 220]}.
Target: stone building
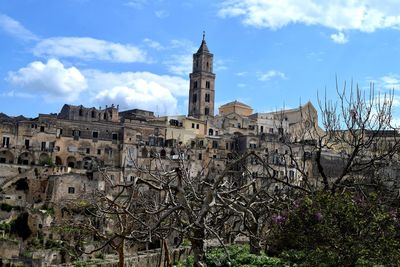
{"type": "Point", "coordinates": [83, 139]}
{"type": "Point", "coordinates": [54, 157]}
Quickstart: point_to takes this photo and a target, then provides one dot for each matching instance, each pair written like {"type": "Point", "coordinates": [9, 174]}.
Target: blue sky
{"type": "Point", "coordinates": [137, 53]}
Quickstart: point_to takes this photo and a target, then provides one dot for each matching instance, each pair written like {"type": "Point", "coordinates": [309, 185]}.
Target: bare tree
{"type": "Point", "coordinates": [125, 213]}
{"type": "Point", "coordinates": [196, 199]}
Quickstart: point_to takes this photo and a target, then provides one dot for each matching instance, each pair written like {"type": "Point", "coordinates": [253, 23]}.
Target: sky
{"type": "Point", "coordinates": [138, 53]}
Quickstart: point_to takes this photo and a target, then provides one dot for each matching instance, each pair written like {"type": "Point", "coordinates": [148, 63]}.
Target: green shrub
{"type": "Point", "coordinates": [239, 256]}
{"type": "Point", "coordinates": [337, 229]}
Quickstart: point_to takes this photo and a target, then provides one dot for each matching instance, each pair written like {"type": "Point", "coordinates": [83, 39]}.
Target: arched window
{"type": "Point", "coordinates": [210, 131]}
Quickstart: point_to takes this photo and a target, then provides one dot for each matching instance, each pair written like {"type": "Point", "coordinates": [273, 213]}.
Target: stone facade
{"type": "Point", "coordinates": [54, 157]}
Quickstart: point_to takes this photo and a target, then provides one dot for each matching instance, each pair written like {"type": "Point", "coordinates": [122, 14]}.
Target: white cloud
{"type": "Point", "coordinates": [161, 14]}
{"type": "Point", "coordinates": [240, 74]}
{"type": "Point", "coordinates": [138, 90]}
{"type": "Point", "coordinates": [390, 81]}
{"type": "Point", "coordinates": [220, 65]}
{"type": "Point", "coordinates": [136, 3]}
{"type": "Point", "coordinates": [339, 38]}
{"type": "Point", "coordinates": [141, 94]}
{"type": "Point", "coordinates": [55, 82]}
{"type": "Point", "coordinates": [52, 80]}
{"type": "Point", "coordinates": [99, 81]}
{"type": "Point", "coordinates": [362, 15]}
{"type": "Point", "coordinates": [87, 48]}
{"type": "Point", "coordinates": [271, 74]}
{"type": "Point", "coordinates": [180, 63]}
{"type": "Point", "coordinates": [15, 28]}
{"type": "Point", "coordinates": [153, 44]}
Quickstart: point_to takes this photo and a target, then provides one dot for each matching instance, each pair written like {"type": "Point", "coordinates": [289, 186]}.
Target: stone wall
{"type": "Point", "coordinates": [150, 258]}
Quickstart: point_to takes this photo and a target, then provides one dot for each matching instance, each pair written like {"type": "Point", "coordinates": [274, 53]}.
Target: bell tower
{"type": "Point", "coordinates": [202, 82]}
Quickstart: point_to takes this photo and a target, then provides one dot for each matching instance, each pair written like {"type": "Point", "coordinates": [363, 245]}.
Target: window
{"type": "Point", "coordinates": [93, 114]}
{"type": "Point", "coordinates": [206, 111]}
{"type": "Point", "coordinates": [197, 126]}
{"type": "Point", "coordinates": [95, 135]}
{"type": "Point", "coordinates": [201, 143]}
{"type": "Point", "coordinates": [42, 129]}
{"type": "Point", "coordinates": [216, 132]}
{"type": "Point", "coordinates": [200, 156]}
{"type": "Point", "coordinates": [71, 190]}
{"type": "Point", "coordinates": [215, 144]}
{"type": "Point", "coordinates": [115, 136]}
{"type": "Point", "coordinates": [252, 145]}
{"type": "Point", "coordinates": [194, 99]}
{"type": "Point", "coordinates": [81, 112]}
{"type": "Point", "coordinates": [271, 130]}
{"type": "Point", "coordinates": [6, 141]}
{"type": "Point", "coordinates": [210, 132]}
{"type": "Point", "coordinates": [262, 129]}
{"type": "Point", "coordinates": [152, 141]}
{"type": "Point", "coordinates": [76, 133]}
{"type": "Point", "coordinates": [43, 146]}
{"type": "Point", "coordinates": [27, 143]}
{"type": "Point", "coordinates": [98, 151]}
{"type": "Point", "coordinates": [208, 84]}
{"type": "Point", "coordinates": [195, 84]}
{"type": "Point", "coordinates": [207, 98]}
{"type": "Point", "coordinates": [193, 125]}
{"type": "Point", "coordinates": [87, 150]}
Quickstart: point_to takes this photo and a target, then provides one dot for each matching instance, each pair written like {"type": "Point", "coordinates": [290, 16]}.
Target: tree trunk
{"type": "Point", "coordinates": [121, 256]}
{"type": "Point", "coordinates": [255, 247]}
{"type": "Point", "coordinates": [167, 258]}
{"type": "Point", "coordinates": [198, 247]}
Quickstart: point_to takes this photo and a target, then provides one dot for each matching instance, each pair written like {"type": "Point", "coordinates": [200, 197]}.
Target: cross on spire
{"type": "Point", "coordinates": [204, 35]}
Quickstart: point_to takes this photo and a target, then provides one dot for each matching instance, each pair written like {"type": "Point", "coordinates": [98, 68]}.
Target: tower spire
{"type": "Point", "coordinates": [202, 80]}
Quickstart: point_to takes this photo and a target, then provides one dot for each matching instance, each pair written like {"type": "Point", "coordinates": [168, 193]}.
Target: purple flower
{"type": "Point", "coordinates": [278, 219]}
